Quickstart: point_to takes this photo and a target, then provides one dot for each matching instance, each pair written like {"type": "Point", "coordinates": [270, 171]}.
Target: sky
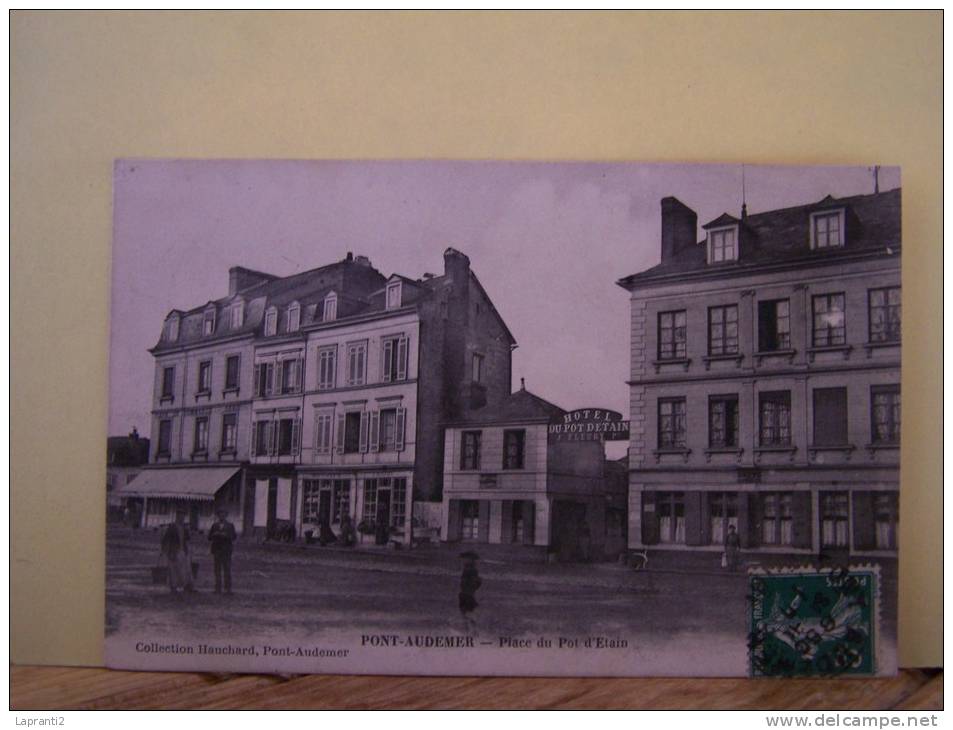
{"type": "Point", "coordinates": [548, 241]}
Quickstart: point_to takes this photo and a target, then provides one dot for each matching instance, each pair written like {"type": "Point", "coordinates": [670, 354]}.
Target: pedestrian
{"type": "Point", "coordinates": [222, 536]}
{"type": "Point", "coordinates": [175, 548]}
{"type": "Point", "coordinates": [732, 548]}
{"type": "Point", "coordinates": [348, 537]}
{"type": "Point", "coordinates": [469, 584]}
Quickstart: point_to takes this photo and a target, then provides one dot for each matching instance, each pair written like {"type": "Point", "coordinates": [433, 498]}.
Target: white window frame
{"type": "Point", "coordinates": [208, 316]}
{"type": "Point", "coordinates": [172, 328]}
{"type": "Point", "coordinates": [271, 321]}
{"type": "Point", "coordinates": [327, 353]}
{"type": "Point", "coordinates": [713, 234]}
{"type": "Point", "coordinates": [330, 307]}
{"type": "Point", "coordinates": [361, 378]}
{"type": "Point", "coordinates": [839, 213]}
{"type": "Point", "coordinates": [237, 315]}
{"type": "Point", "coordinates": [294, 317]}
{"type": "Point", "coordinates": [394, 286]}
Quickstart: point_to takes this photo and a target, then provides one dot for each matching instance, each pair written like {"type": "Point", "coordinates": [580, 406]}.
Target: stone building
{"type": "Point", "coordinates": [765, 381]}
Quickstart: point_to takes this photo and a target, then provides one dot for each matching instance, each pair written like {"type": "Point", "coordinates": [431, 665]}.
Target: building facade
{"type": "Point", "coordinates": [765, 381]}
{"type": "Point", "coordinates": [506, 483]}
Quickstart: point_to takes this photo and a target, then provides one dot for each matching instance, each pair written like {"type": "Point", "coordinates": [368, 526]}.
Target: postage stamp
{"type": "Point", "coordinates": [809, 621]}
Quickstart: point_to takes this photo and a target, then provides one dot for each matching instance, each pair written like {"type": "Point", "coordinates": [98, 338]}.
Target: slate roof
{"type": "Point", "coordinates": [783, 236]}
{"type": "Point", "coordinates": [517, 407]}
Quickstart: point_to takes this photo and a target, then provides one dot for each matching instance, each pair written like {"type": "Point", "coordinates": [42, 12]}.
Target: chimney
{"type": "Point", "coordinates": [456, 266]}
{"type": "Point", "coordinates": [679, 227]}
{"type": "Point", "coordinates": [240, 278]}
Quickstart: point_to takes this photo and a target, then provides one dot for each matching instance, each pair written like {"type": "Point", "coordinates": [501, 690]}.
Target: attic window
{"type": "Point", "coordinates": [393, 295]}
{"type": "Point", "coordinates": [294, 317]}
{"type": "Point", "coordinates": [208, 322]}
{"type": "Point", "coordinates": [236, 315]}
{"type": "Point", "coordinates": [723, 244]}
{"type": "Point", "coordinates": [271, 321]}
{"type": "Point", "coordinates": [172, 328]}
{"type": "Point", "coordinates": [827, 229]}
{"type": "Point", "coordinates": [331, 307]}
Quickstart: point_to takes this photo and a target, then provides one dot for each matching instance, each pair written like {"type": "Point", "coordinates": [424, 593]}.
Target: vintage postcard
{"type": "Point", "coordinates": [504, 418]}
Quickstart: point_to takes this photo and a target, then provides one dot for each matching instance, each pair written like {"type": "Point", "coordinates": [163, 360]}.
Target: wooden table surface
{"type": "Point", "coordinates": [50, 688]}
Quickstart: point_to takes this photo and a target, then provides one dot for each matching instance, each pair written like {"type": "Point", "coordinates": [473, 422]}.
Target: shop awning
{"type": "Point", "coordinates": [188, 483]}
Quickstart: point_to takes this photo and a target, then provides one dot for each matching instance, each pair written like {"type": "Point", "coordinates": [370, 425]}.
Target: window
{"type": "Point", "coordinates": [322, 432]}
{"type": "Point", "coordinates": [477, 366]}
{"type": "Point", "coordinates": [294, 318]}
{"type": "Point", "coordinates": [201, 435]}
{"type": "Point", "coordinates": [829, 327]}
{"type": "Point", "coordinates": [775, 409]}
{"type": "Point", "coordinates": [470, 452]}
{"type": "Point", "coordinates": [205, 376]}
{"type": "Point", "coordinates": [236, 315]}
{"type": "Point", "coordinates": [370, 500]}
{"type": "Point", "coordinates": [356, 363]}
{"type": "Point", "coordinates": [330, 307]}
{"type": "Point", "coordinates": [723, 330]}
{"type": "Point", "coordinates": [326, 366]}
{"type": "Point", "coordinates": [723, 513]}
{"type": "Point", "coordinates": [470, 519]}
{"type": "Point", "coordinates": [885, 521]}
{"type": "Point", "coordinates": [393, 295]}
{"type": "Point", "coordinates": [232, 371]}
{"type": "Point", "coordinates": [311, 502]}
{"type": "Point", "coordinates": [518, 522]}
{"type": "Point", "coordinates": [774, 325]}
{"type": "Point", "coordinates": [208, 322]}
{"type": "Point", "coordinates": [168, 382]}
{"type": "Point", "coordinates": [165, 438]}
{"type": "Point", "coordinates": [834, 519]}
{"type": "Point", "coordinates": [671, 516]}
{"type": "Point", "coordinates": [264, 438]}
{"type": "Point", "coordinates": [290, 375]}
{"type": "Point", "coordinates": [514, 446]}
{"type": "Point", "coordinates": [172, 328]}
{"type": "Point", "coordinates": [264, 379]}
{"type": "Point", "coordinates": [388, 430]}
{"type": "Point", "coordinates": [777, 526]}
{"type": "Point", "coordinates": [885, 414]}
{"type": "Point", "coordinates": [884, 313]}
{"type": "Point", "coordinates": [723, 422]}
{"type": "Point", "coordinates": [288, 435]}
{"type": "Point", "coordinates": [830, 416]}
{"type": "Point", "coordinates": [827, 229]}
{"type": "Point", "coordinates": [271, 322]}
{"type": "Point", "coordinates": [342, 499]}
{"type": "Point", "coordinates": [722, 245]}
{"type": "Point", "coordinates": [671, 423]}
{"type": "Point", "coordinates": [671, 335]}
{"type": "Point", "coordinates": [229, 431]}
{"type": "Point", "coordinates": [398, 503]}
{"type": "Point", "coordinates": [352, 432]}
{"type": "Point", "coordinates": [394, 353]}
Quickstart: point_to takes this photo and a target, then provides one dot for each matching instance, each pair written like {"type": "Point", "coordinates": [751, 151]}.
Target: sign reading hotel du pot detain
{"type": "Point", "coordinates": [589, 424]}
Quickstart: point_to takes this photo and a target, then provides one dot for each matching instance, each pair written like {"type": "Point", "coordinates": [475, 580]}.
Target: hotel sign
{"type": "Point", "coordinates": [589, 424]}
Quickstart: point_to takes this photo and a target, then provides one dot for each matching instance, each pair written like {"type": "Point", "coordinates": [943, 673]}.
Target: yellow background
{"type": "Point", "coordinates": [799, 88]}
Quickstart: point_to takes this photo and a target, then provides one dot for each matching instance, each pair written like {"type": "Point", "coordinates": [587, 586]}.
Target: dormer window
{"type": "Point", "coordinates": [237, 315]}
{"type": "Point", "coordinates": [172, 328]}
{"type": "Point", "coordinates": [827, 229]}
{"type": "Point", "coordinates": [294, 317]}
{"type": "Point", "coordinates": [723, 245]}
{"type": "Point", "coordinates": [271, 321]}
{"type": "Point", "coordinates": [208, 322]}
{"type": "Point", "coordinates": [330, 307]}
{"type": "Point", "coordinates": [393, 295]}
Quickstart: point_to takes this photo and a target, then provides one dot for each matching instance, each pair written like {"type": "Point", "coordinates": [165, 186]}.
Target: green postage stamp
{"type": "Point", "coordinates": [810, 621]}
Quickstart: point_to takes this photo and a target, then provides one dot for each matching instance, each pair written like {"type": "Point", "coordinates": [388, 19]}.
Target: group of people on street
{"type": "Point", "coordinates": [177, 550]}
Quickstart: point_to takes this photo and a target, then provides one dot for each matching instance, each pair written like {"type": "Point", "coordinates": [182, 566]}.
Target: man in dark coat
{"type": "Point", "coordinates": [222, 536]}
{"type": "Point", "coordinates": [469, 584]}
{"type": "Point", "coordinates": [732, 548]}
{"type": "Point", "coordinates": [178, 555]}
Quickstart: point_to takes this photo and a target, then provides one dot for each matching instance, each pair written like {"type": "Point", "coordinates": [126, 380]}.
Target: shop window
{"type": "Point", "coordinates": [470, 451]}
{"type": "Point", "coordinates": [834, 519]}
{"type": "Point", "coordinates": [723, 330]}
{"type": "Point", "coordinates": [670, 507]}
{"type": "Point", "coordinates": [370, 500]}
{"type": "Point", "coordinates": [885, 520]}
{"type": "Point", "coordinates": [518, 527]}
{"type": "Point", "coordinates": [775, 426]}
{"type": "Point", "coordinates": [884, 314]}
{"type": "Point", "coordinates": [311, 501]}
{"type": "Point", "coordinates": [830, 328]}
{"type": "Point", "coordinates": [398, 502]}
{"type": "Point", "coordinates": [342, 499]}
{"type": "Point", "coordinates": [723, 513]}
{"type": "Point", "coordinates": [777, 521]}
{"type": "Point", "coordinates": [671, 423]}
{"type": "Point", "coordinates": [830, 416]}
{"type": "Point", "coordinates": [672, 342]}
{"type": "Point", "coordinates": [774, 325]}
{"type": "Point", "coordinates": [469, 519]}
{"type": "Point", "coordinates": [885, 414]}
{"type": "Point", "coordinates": [514, 446]}
{"type": "Point", "coordinates": [723, 422]}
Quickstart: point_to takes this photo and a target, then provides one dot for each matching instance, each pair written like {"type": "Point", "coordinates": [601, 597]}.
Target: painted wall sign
{"type": "Point", "coordinates": [589, 424]}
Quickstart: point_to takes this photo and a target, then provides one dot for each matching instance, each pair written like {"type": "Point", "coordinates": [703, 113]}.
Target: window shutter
{"type": "Point", "coordinates": [269, 378]}
{"type": "Point", "coordinates": [399, 428]}
{"type": "Point", "coordinates": [339, 441]}
{"type": "Point", "coordinates": [318, 440]}
{"type": "Point", "coordinates": [299, 374]}
{"type": "Point", "coordinates": [258, 392]}
{"type": "Point", "coordinates": [375, 427]}
{"type": "Point", "coordinates": [387, 373]}
{"type": "Point", "coordinates": [296, 437]}
{"type": "Point", "coordinates": [254, 439]}
{"type": "Point", "coordinates": [365, 421]}
{"type": "Point", "coordinates": [402, 358]}
{"type": "Point", "coordinates": [269, 437]}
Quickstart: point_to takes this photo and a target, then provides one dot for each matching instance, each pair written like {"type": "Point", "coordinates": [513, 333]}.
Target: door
{"type": "Point", "coordinates": [324, 507]}
{"type": "Point", "coordinates": [382, 520]}
{"type": "Point", "coordinates": [193, 516]}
